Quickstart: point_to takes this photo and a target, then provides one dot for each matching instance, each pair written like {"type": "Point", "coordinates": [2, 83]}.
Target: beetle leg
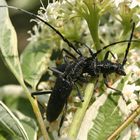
{"type": "Point", "coordinates": [56, 70]}
{"type": "Point", "coordinates": [83, 79]}
{"type": "Point", "coordinates": [96, 84]}
{"type": "Point", "coordinates": [106, 83]}
{"type": "Point", "coordinates": [41, 92]}
{"type": "Point", "coordinates": [67, 52]}
{"type": "Point", "coordinates": [107, 54]}
{"type": "Point", "coordinates": [119, 92]}
{"type": "Point", "coordinates": [79, 93]}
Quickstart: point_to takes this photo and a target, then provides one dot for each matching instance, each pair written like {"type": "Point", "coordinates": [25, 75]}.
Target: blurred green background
{"type": "Point", "coordinates": [22, 24]}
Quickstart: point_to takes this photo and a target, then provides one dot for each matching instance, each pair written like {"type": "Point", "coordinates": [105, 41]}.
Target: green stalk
{"type": "Point", "coordinates": [37, 113]}
{"type": "Point", "coordinates": [80, 113]}
{"type": "Point", "coordinates": [92, 19]}
{"type": "Point", "coordinates": [93, 25]}
{"type": "Point", "coordinates": [33, 103]}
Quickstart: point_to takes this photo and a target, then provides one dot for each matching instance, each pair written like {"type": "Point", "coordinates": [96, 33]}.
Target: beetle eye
{"type": "Point", "coordinates": [121, 71]}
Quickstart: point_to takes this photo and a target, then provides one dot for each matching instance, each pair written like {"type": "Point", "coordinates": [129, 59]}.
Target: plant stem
{"type": "Point", "coordinates": [93, 27]}
{"type": "Point", "coordinates": [34, 106]}
{"type": "Point", "coordinates": [33, 103]}
{"type": "Point", "coordinates": [129, 120]}
{"type": "Point", "coordinates": [78, 117]}
{"type": "Point", "coordinates": [93, 22]}
{"type": "Point", "coordinates": [37, 112]}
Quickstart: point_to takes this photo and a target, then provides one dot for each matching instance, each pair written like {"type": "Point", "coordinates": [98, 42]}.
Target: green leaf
{"type": "Point", "coordinates": [26, 4]}
{"type": "Point", "coordinates": [18, 103]}
{"type": "Point", "coordinates": [11, 124]}
{"type": "Point", "coordinates": [1, 137]}
{"type": "Point", "coordinates": [107, 120]}
{"type": "Point", "coordinates": [34, 61]}
{"type": "Point", "coordinates": [8, 43]}
{"type": "Point", "coordinates": [30, 127]}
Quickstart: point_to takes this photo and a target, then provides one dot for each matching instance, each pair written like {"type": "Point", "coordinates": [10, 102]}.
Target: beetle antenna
{"type": "Point", "coordinates": [45, 22]}
{"type": "Point", "coordinates": [129, 44]}
{"type": "Point", "coordinates": [112, 44]}
{"type": "Point", "coordinates": [66, 40]}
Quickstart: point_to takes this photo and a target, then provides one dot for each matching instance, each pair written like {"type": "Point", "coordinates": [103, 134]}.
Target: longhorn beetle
{"type": "Point", "coordinates": [70, 72]}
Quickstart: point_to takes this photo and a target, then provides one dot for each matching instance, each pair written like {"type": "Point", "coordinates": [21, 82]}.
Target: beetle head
{"type": "Point", "coordinates": [120, 70]}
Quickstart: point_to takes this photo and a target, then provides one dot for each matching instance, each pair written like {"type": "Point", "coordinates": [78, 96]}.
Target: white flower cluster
{"type": "Point", "coordinates": [133, 3]}
{"type": "Point", "coordinates": [131, 90]}
{"type": "Point", "coordinates": [59, 13]}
